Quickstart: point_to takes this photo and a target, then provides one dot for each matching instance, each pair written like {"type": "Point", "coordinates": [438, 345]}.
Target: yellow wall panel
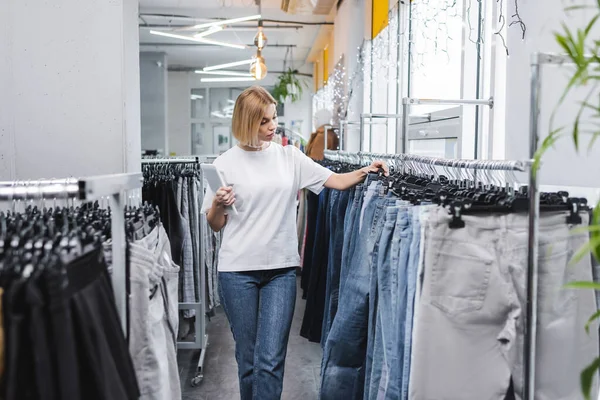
{"type": "Point", "coordinates": [379, 19]}
{"type": "Point", "coordinates": [325, 65]}
{"type": "Point", "coordinates": [316, 76]}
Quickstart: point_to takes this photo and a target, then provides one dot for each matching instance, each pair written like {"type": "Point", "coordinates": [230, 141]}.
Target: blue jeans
{"type": "Point", "coordinates": [412, 270]}
{"type": "Point", "coordinates": [351, 223]}
{"type": "Point", "coordinates": [381, 283]}
{"type": "Point", "coordinates": [343, 375]}
{"type": "Point", "coordinates": [336, 243]}
{"type": "Point", "coordinates": [260, 306]}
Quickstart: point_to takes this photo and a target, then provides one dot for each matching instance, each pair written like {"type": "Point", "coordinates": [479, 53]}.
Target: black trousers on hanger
{"type": "Point", "coordinates": [63, 336]}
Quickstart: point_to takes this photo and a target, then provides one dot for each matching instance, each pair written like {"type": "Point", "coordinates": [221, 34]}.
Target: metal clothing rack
{"type": "Point", "coordinates": [538, 60]}
{"type": "Point", "coordinates": [88, 189]}
{"type": "Point", "coordinates": [345, 123]}
{"type": "Point", "coordinates": [534, 210]}
{"type": "Point", "coordinates": [201, 340]}
{"type": "Point", "coordinates": [407, 102]}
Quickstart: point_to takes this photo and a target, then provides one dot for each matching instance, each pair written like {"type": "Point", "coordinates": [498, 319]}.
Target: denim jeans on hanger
{"type": "Point", "coordinates": [332, 225]}
{"type": "Point", "coordinates": [380, 300]}
{"type": "Point", "coordinates": [414, 216]}
{"type": "Point", "coordinates": [351, 232]}
{"type": "Point", "coordinates": [260, 306]}
{"type": "Point", "coordinates": [343, 372]}
{"type": "Point", "coordinates": [334, 269]}
{"type": "Point", "coordinates": [312, 323]}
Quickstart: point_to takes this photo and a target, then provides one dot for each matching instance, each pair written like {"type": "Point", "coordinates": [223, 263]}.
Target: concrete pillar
{"type": "Point", "coordinates": [69, 88]}
{"type": "Point", "coordinates": [154, 92]}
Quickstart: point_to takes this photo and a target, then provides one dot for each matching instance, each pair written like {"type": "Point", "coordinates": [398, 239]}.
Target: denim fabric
{"type": "Point", "coordinates": [351, 224]}
{"type": "Point", "coordinates": [411, 279]}
{"type": "Point", "coordinates": [343, 374]}
{"type": "Point", "coordinates": [334, 270]}
{"type": "Point", "coordinates": [312, 205]}
{"type": "Point", "coordinates": [382, 284]}
{"type": "Point", "coordinates": [312, 323]}
{"type": "Point", "coordinates": [260, 306]}
{"type": "Point", "coordinates": [332, 225]}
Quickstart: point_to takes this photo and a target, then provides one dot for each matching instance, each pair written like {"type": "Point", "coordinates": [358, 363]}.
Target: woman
{"type": "Point", "coordinates": [259, 250]}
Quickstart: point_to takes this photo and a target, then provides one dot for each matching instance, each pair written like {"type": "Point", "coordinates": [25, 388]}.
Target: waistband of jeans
{"type": "Point", "coordinates": [84, 270]}
{"type": "Point", "coordinates": [518, 221]}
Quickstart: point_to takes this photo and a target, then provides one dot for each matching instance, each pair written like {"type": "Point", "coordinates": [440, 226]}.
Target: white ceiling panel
{"type": "Point", "coordinates": [165, 14]}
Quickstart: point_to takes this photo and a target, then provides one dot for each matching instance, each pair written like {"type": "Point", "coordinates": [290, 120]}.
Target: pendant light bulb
{"type": "Point", "coordinates": [260, 40]}
{"type": "Point", "coordinates": [258, 69]}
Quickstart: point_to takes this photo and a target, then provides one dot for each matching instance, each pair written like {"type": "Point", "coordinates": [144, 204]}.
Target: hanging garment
{"type": "Point", "coordinates": [316, 144]}
{"type": "Point", "coordinates": [425, 305]}
{"type": "Point", "coordinates": [154, 316]}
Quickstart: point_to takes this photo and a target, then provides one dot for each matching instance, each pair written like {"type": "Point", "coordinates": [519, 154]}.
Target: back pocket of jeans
{"type": "Point", "coordinates": [460, 276]}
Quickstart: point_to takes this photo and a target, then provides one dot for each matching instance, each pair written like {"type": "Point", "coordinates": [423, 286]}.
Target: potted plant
{"type": "Point", "coordinates": [583, 51]}
{"type": "Point", "coordinates": [288, 87]}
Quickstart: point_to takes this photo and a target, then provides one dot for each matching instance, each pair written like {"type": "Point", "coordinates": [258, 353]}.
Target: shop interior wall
{"type": "Point", "coordinates": [297, 116]}
{"type": "Point", "coordinates": [562, 165]}
{"type": "Point", "coordinates": [349, 34]}
{"type": "Point", "coordinates": [154, 100]}
{"type": "Point", "coordinates": [69, 88]}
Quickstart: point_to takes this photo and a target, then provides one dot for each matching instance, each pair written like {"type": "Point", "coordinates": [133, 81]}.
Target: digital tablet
{"type": "Point", "coordinates": [215, 181]}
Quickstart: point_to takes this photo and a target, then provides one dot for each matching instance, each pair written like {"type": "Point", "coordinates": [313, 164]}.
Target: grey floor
{"type": "Point", "coordinates": [220, 382]}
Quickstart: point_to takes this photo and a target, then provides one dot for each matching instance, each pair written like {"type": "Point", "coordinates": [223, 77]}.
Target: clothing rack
{"type": "Point", "coordinates": [345, 123]}
{"type": "Point", "coordinates": [534, 210]}
{"type": "Point", "coordinates": [407, 102]}
{"type": "Point", "coordinates": [201, 340]}
{"type": "Point", "coordinates": [88, 189]}
{"type": "Point", "coordinates": [538, 60]}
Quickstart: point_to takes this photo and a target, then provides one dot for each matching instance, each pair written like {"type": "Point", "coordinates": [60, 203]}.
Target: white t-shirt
{"type": "Point", "coordinates": [263, 235]}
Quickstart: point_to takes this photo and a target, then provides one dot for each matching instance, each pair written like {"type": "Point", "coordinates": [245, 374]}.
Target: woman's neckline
{"type": "Point", "coordinates": [255, 151]}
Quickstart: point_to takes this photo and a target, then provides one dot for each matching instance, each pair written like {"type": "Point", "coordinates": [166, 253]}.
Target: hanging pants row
{"type": "Point", "coordinates": [412, 309]}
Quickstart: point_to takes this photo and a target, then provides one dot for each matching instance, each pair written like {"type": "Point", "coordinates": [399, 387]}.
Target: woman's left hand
{"type": "Point", "coordinates": [376, 166]}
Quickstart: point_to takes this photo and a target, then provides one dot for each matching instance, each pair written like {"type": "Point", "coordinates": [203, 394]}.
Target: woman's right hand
{"type": "Point", "coordinates": [225, 196]}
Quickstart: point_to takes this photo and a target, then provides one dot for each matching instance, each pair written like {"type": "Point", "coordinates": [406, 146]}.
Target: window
{"type": "Point", "coordinates": [212, 110]}
{"type": "Point", "coordinates": [444, 62]}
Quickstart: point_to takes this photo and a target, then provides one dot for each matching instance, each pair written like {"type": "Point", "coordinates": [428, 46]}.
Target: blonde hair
{"type": "Point", "coordinates": [248, 113]}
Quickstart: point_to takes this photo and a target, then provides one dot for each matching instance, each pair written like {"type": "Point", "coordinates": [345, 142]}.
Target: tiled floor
{"type": "Point", "coordinates": [220, 370]}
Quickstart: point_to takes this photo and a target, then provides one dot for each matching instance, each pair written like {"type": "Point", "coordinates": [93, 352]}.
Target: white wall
{"type": "Point", "coordinates": [153, 96]}
{"type": "Point", "coordinates": [299, 111]}
{"type": "Point", "coordinates": [179, 110]}
{"type": "Point", "coordinates": [69, 88]}
{"type": "Point", "coordinates": [180, 85]}
{"type": "Point", "coordinates": [562, 165]}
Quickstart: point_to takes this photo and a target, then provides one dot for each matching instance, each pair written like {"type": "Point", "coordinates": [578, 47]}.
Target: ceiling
{"type": "Point", "coordinates": [289, 38]}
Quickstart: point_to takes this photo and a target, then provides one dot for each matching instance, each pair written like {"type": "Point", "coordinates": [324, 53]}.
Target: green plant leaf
{"type": "Point", "coordinates": [546, 144]}
{"type": "Point", "coordinates": [595, 234]}
{"type": "Point", "coordinates": [582, 285]}
{"type": "Point", "coordinates": [591, 320]}
{"type": "Point", "coordinates": [587, 248]}
{"type": "Point", "coordinates": [587, 378]}
{"type": "Point", "coordinates": [591, 24]}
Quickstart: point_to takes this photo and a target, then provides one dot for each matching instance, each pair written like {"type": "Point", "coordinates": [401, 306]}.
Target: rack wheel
{"type": "Point", "coordinates": [197, 380]}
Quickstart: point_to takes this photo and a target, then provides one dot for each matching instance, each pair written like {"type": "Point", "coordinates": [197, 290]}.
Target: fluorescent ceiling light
{"type": "Point", "coordinates": [232, 64]}
{"type": "Point", "coordinates": [199, 40]}
{"type": "Point", "coordinates": [210, 31]}
{"type": "Point", "coordinates": [197, 97]}
{"type": "Point", "coordinates": [226, 22]}
{"type": "Point", "coordinates": [230, 73]}
{"type": "Point", "coordinates": [232, 79]}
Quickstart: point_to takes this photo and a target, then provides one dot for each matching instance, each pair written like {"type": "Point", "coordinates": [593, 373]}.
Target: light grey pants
{"type": "Point", "coordinates": [469, 339]}
{"type": "Point", "coordinates": [153, 316]}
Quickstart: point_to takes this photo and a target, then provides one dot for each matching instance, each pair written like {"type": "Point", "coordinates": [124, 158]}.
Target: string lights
{"type": "Point", "coordinates": [436, 29]}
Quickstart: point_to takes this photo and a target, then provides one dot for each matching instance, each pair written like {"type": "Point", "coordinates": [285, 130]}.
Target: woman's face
{"type": "Point", "coordinates": [268, 125]}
